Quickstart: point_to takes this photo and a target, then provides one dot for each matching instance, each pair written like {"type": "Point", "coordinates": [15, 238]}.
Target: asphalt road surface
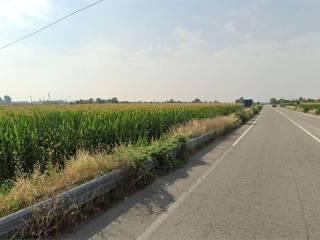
{"type": "Point", "coordinates": [260, 182]}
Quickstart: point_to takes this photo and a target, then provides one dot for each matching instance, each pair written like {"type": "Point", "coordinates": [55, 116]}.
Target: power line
{"type": "Point", "coordinates": [49, 25]}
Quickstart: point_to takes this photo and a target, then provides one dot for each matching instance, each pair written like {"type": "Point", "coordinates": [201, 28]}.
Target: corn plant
{"type": "Point", "coordinates": [38, 135]}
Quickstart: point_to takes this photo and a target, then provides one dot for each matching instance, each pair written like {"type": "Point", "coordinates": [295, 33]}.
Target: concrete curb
{"type": "Point", "coordinates": [88, 191]}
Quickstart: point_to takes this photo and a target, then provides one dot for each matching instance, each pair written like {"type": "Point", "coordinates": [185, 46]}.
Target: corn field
{"type": "Point", "coordinates": [32, 135]}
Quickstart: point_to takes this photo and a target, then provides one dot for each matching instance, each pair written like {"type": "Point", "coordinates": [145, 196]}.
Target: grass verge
{"type": "Point", "coordinates": [311, 108]}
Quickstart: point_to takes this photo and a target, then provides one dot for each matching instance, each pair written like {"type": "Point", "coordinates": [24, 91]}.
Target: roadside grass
{"type": "Point", "coordinates": [196, 128]}
{"type": "Point", "coordinates": [31, 188]}
{"type": "Point", "coordinates": [37, 186]}
{"type": "Point", "coordinates": [306, 107]}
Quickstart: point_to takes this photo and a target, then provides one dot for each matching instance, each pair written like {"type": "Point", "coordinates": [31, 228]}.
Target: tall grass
{"type": "Point", "coordinates": [31, 136]}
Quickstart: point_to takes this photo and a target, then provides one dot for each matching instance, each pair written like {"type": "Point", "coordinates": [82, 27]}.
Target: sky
{"type": "Point", "coordinates": [161, 49]}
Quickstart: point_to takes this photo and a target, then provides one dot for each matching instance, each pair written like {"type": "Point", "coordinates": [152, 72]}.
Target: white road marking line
{"type": "Point", "coordinates": [245, 133]}
{"type": "Point", "coordinates": [156, 224]}
{"type": "Point", "coordinates": [299, 126]}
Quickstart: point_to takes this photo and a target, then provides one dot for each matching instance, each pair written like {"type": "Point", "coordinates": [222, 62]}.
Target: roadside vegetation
{"type": "Point", "coordinates": [306, 107]}
{"type": "Point", "coordinates": [163, 128]}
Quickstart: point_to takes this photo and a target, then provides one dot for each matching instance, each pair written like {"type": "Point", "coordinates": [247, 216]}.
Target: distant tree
{"type": "Point", "coordinates": [302, 99]}
{"type": "Point", "coordinates": [99, 100]}
{"type": "Point", "coordinates": [273, 101]}
{"type": "Point", "coordinates": [114, 100]}
{"type": "Point", "coordinates": [240, 100]}
{"type": "Point", "coordinates": [197, 100]}
{"type": "Point", "coordinates": [7, 99]}
{"type": "Point", "coordinates": [1, 101]}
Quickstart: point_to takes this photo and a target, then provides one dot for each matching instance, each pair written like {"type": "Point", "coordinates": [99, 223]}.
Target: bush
{"type": "Point", "coordinates": [244, 116]}
{"type": "Point", "coordinates": [256, 109]}
{"type": "Point", "coordinates": [162, 151]}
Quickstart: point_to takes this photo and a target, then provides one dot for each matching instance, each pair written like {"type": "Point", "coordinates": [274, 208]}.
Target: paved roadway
{"type": "Point", "coordinates": [260, 182]}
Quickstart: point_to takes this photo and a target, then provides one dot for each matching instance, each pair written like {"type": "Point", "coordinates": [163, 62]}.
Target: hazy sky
{"type": "Point", "coordinates": [146, 50]}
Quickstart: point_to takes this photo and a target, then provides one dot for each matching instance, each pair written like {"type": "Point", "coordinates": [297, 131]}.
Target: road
{"type": "Point", "coordinates": [260, 182]}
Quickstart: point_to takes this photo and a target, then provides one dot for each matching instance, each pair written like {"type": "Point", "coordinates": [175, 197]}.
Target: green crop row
{"type": "Point", "coordinates": [37, 136]}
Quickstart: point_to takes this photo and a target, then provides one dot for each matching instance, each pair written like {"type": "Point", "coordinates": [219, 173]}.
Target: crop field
{"type": "Point", "coordinates": [36, 135]}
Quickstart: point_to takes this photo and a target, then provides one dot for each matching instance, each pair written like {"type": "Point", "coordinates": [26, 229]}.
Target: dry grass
{"type": "Point", "coordinates": [196, 128]}
{"type": "Point", "coordinates": [38, 186]}
{"type": "Point", "coordinates": [30, 189]}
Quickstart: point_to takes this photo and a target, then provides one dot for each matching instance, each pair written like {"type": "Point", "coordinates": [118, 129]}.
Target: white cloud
{"type": "Point", "coordinates": [257, 69]}
{"type": "Point", "coordinates": [20, 11]}
{"type": "Point", "coordinates": [239, 12]}
{"type": "Point", "coordinates": [186, 39]}
{"type": "Point", "coordinates": [229, 27]}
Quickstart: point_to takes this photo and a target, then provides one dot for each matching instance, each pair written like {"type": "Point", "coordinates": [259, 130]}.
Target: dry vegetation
{"type": "Point", "coordinates": [306, 107]}
{"type": "Point", "coordinates": [198, 127]}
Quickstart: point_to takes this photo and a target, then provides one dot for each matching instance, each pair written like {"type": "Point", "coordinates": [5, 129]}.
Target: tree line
{"type": "Point", "coordinates": [115, 100]}
{"type": "Point", "coordinates": [5, 100]}
{"type": "Point", "coordinates": [8, 100]}
{"type": "Point", "coordinates": [293, 101]}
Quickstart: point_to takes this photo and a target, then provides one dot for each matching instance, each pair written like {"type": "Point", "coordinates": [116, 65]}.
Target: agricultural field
{"type": "Point", "coordinates": [45, 150]}
{"type": "Point", "coordinates": [31, 135]}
